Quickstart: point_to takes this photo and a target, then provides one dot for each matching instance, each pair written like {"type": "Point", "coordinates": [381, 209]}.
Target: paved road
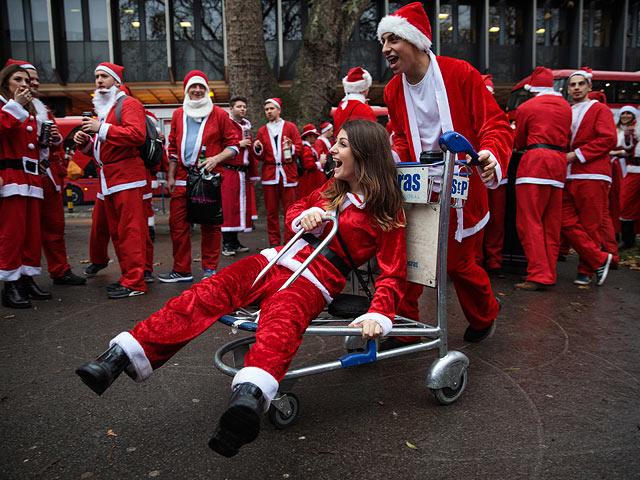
{"type": "Point", "coordinates": [555, 393]}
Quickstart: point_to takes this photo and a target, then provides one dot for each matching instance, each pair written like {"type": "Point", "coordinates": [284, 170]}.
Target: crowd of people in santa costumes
{"type": "Point", "coordinates": [323, 142]}
{"type": "Point", "coordinates": [198, 129]}
{"type": "Point", "coordinates": [277, 146]}
{"type": "Point", "coordinates": [113, 143]}
{"type": "Point", "coordinates": [239, 177]}
{"type": "Point", "coordinates": [354, 105]}
{"type": "Point", "coordinates": [628, 153]}
{"type": "Point", "coordinates": [585, 195]}
{"type": "Point", "coordinates": [311, 169]}
{"type": "Point", "coordinates": [543, 129]}
{"type": "Point", "coordinates": [427, 96]}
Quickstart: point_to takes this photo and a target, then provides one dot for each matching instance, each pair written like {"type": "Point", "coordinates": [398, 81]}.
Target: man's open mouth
{"type": "Point", "coordinates": [392, 59]}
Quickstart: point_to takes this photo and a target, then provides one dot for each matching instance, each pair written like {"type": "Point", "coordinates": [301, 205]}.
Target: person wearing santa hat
{"type": "Point", "coordinates": [52, 213]}
{"type": "Point", "coordinates": [312, 167]}
{"type": "Point", "coordinates": [585, 195]}
{"type": "Point", "coordinates": [323, 143]}
{"type": "Point", "coordinates": [543, 129]}
{"type": "Point", "coordinates": [20, 190]}
{"type": "Point", "coordinates": [114, 145]}
{"type": "Point", "coordinates": [277, 145]}
{"type": "Point", "coordinates": [427, 96]}
{"type": "Point", "coordinates": [237, 181]}
{"type": "Point", "coordinates": [354, 105]}
{"type": "Point", "coordinates": [198, 126]}
{"type": "Point", "coordinates": [629, 139]}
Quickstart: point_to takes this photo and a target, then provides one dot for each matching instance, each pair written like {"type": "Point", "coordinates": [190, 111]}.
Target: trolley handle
{"type": "Point", "coordinates": [455, 143]}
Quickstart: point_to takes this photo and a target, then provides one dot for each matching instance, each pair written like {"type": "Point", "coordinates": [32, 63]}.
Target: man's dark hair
{"type": "Point", "coordinates": [233, 101]}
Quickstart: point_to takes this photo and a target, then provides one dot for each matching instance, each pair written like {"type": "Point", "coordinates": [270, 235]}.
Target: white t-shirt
{"type": "Point", "coordinates": [423, 96]}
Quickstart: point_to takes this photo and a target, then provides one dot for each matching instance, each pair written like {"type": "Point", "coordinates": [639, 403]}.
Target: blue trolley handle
{"type": "Point", "coordinates": [455, 143]}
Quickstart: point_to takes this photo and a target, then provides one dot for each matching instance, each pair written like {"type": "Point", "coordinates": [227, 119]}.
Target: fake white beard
{"type": "Point", "coordinates": [197, 108]}
{"type": "Point", "coordinates": [103, 102]}
{"type": "Point", "coordinates": [42, 114]}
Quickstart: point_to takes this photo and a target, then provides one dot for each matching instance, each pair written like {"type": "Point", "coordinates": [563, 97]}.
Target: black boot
{"type": "Point", "coordinates": [13, 297]}
{"type": "Point", "coordinates": [628, 234]}
{"type": "Point", "coordinates": [101, 373]}
{"type": "Point", "coordinates": [31, 290]}
{"type": "Point", "coordinates": [240, 422]}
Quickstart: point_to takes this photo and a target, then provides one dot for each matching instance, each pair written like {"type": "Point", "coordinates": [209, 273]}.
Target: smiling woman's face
{"type": "Point", "coordinates": [345, 168]}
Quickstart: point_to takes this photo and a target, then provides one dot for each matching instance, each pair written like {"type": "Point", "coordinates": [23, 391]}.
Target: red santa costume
{"type": "Point", "coordinates": [451, 96]}
{"type": "Point", "coordinates": [630, 192]}
{"type": "Point", "coordinates": [21, 193]}
{"type": "Point", "coordinates": [313, 176]}
{"type": "Point", "coordinates": [238, 174]}
{"type": "Point", "coordinates": [323, 144]}
{"type": "Point", "coordinates": [585, 196]}
{"type": "Point", "coordinates": [284, 315]}
{"type": "Point", "coordinates": [123, 177]}
{"type": "Point", "coordinates": [354, 104]}
{"type": "Point", "coordinates": [543, 128]}
{"type": "Point", "coordinates": [192, 129]}
{"type": "Point", "coordinates": [279, 175]}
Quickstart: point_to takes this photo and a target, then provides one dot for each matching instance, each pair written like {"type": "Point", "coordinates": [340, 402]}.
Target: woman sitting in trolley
{"type": "Point", "coordinates": [365, 192]}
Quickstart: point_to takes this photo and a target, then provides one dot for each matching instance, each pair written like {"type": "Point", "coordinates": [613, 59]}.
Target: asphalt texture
{"type": "Point", "coordinates": [554, 393]}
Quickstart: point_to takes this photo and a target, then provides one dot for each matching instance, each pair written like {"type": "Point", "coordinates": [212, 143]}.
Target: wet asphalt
{"type": "Point", "coordinates": [553, 394]}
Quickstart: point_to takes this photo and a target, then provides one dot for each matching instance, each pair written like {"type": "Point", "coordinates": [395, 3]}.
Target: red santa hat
{"type": "Point", "coordinates": [409, 22]}
{"type": "Point", "coordinates": [541, 80]}
{"type": "Point", "coordinates": [22, 63]}
{"type": "Point", "coordinates": [357, 80]}
{"type": "Point", "coordinates": [195, 77]}
{"type": "Point", "coordinates": [126, 90]}
{"type": "Point", "coordinates": [276, 101]}
{"type": "Point", "coordinates": [325, 127]}
{"type": "Point", "coordinates": [308, 129]}
{"type": "Point", "coordinates": [488, 82]}
{"type": "Point", "coordinates": [116, 71]}
{"type": "Point", "coordinates": [599, 96]}
{"type": "Point", "coordinates": [585, 72]}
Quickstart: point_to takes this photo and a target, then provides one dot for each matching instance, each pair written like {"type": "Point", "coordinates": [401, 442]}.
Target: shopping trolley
{"type": "Point", "coordinates": [430, 190]}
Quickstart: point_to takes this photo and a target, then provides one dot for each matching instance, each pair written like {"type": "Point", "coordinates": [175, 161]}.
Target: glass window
{"type": "Point", "coordinates": [183, 21]}
{"type": "Point", "coordinates": [39, 20]}
{"type": "Point", "coordinates": [155, 21]}
{"type": "Point", "coordinates": [548, 27]}
{"type": "Point", "coordinates": [596, 27]}
{"type": "Point", "coordinates": [98, 20]}
{"type": "Point", "coordinates": [269, 12]}
{"type": "Point", "coordinates": [445, 20]}
{"type": "Point", "coordinates": [505, 25]}
{"type": "Point", "coordinates": [466, 32]}
{"type": "Point", "coordinates": [457, 24]}
{"type": "Point", "coordinates": [73, 20]}
{"type": "Point", "coordinates": [129, 20]}
{"type": "Point", "coordinates": [211, 13]}
{"type": "Point", "coordinates": [291, 20]}
{"type": "Point", "coordinates": [16, 21]}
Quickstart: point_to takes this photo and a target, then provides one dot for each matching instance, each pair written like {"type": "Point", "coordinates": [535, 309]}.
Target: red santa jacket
{"type": "Point", "coordinates": [322, 145]}
{"type": "Point", "coordinates": [544, 119]}
{"type": "Point", "coordinates": [273, 165]}
{"type": "Point", "coordinates": [19, 159]}
{"type": "Point", "coordinates": [363, 240]}
{"type": "Point", "coordinates": [313, 176]}
{"type": "Point", "coordinates": [594, 135]}
{"type": "Point", "coordinates": [216, 133]}
{"type": "Point", "coordinates": [354, 108]}
{"type": "Point", "coordinates": [474, 114]}
{"type": "Point", "coordinates": [57, 169]}
{"type": "Point", "coordinates": [246, 155]}
{"type": "Point", "coordinates": [115, 148]}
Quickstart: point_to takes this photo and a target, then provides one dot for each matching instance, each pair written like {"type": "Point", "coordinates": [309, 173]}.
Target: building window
{"type": "Point", "coordinates": [98, 20]}
{"type": "Point", "coordinates": [129, 20]}
{"type": "Point", "coordinates": [368, 25]}
{"type": "Point", "coordinates": [211, 13]}
{"type": "Point", "coordinates": [457, 24]}
{"type": "Point", "coordinates": [550, 28]}
{"type": "Point", "coordinates": [16, 21]}
{"type": "Point", "coordinates": [505, 25]}
{"type": "Point", "coordinates": [155, 21]}
{"type": "Point", "coordinates": [270, 22]}
{"type": "Point", "coordinates": [73, 20]}
{"type": "Point", "coordinates": [596, 26]}
{"type": "Point", "coordinates": [39, 20]}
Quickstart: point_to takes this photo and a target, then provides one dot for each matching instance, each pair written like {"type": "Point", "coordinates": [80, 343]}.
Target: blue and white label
{"type": "Point", "coordinates": [460, 187]}
{"type": "Point", "coordinates": [414, 182]}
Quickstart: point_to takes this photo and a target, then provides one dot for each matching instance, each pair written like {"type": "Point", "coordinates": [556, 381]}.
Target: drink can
{"type": "Point", "coordinates": [45, 132]}
{"type": "Point", "coordinates": [87, 114]}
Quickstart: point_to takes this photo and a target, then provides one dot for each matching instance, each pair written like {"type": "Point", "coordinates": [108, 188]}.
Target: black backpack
{"type": "Point", "coordinates": [151, 150]}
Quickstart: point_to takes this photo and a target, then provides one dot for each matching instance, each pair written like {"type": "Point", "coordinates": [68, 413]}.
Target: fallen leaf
{"type": "Point", "coordinates": [511, 369]}
{"type": "Point", "coordinates": [113, 447]}
{"type": "Point", "coordinates": [411, 445]}
{"type": "Point", "coordinates": [380, 402]}
{"type": "Point", "coordinates": [111, 433]}
{"type": "Point", "coordinates": [577, 304]}
{"type": "Point", "coordinates": [154, 473]}
{"type": "Point", "coordinates": [584, 287]}
{"type": "Point", "coordinates": [131, 449]}
{"type": "Point", "coordinates": [155, 264]}
{"type": "Point", "coordinates": [502, 294]}
{"type": "Point", "coordinates": [85, 261]}
{"type": "Point", "coordinates": [197, 259]}
{"type": "Point", "coordinates": [9, 316]}
{"type": "Point", "coordinates": [394, 414]}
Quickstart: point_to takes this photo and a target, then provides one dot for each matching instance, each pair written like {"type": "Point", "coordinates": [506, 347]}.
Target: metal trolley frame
{"type": "Point", "coordinates": [447, 376]}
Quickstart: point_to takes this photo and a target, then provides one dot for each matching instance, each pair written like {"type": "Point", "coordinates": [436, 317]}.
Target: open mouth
{"type": "Point", "coordinates": [338, 163]}
{"type": "Point", "coordinates": [393, 60]}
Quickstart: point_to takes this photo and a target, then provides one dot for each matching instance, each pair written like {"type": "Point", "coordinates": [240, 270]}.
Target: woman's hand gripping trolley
{"type": "Point", "coordinates": [427, 207]}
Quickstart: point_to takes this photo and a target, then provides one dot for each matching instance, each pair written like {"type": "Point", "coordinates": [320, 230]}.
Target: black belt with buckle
{"type": "Point", "coordinates": [329, 254]}
{"type": "Point", "coordinates": [237, 168]}
{"type": "Point", "coordinates": [12, 164]}
{"type": "Point", "coordinates": [544, 146]}
{"type": "Point", "coordinates": [432, 156]}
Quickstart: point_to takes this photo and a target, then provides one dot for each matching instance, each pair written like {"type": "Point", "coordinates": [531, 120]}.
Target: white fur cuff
{"type": "Point", "coordinates": [140, 369]}
{"type": "Point", "coordinates": [380, 319]}
{"type": "Point", "coordinates": [295, 224]}
{"type": "Point", "coordinates": [261, 379]}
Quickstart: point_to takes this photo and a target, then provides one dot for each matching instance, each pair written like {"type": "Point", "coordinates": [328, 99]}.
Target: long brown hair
{"type": "Point", "coordinates": [5, 75]}
{"type": "Point", "coordinates": [376, 174]}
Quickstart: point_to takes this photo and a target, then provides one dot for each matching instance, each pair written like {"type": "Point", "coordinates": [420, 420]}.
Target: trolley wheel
{"type": "Point", "coordinates": [446, 395]}
{"type": "Point", "coordinates": [279, 419]}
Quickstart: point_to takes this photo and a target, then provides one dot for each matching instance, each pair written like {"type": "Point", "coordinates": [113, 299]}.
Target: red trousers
{"type": "Point", "coordinates": [471, 282]}
{"type": "Point", "coordinates": [20, 240]}
{"type": "Point", "coordinates": [128, 229]}
{"type": "Point", "coordinates": [181, 236]}
{"type": "Point", "coordinates": [538, 221]}
{"type": "Point", "coordinates": [273, 196]}
{"type": "Point", "coordinates": [284, 317]}
{"type": "Point", "coordinates": [99, 236]}
{"type": "Point", "coordinates": [630, 197]}
{"type": "Point", "coordinates": [148, 206]}
{"type": "Point", "coordinates": [494, 231]}
{"type": "Point", "coordinates": [583, 207]}
{"type": "Point", "coordinates": [52, 230]}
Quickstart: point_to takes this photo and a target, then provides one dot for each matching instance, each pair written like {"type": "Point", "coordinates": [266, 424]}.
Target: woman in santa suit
{"type": "Point", "coordinates": [366, 192]}
{"type": "Point", "coordinates": [21, 191]}
{"type": "Point", "coordinates": [313, 176]}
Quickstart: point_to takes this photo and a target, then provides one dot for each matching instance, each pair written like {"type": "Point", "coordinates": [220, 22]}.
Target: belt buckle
{"type": "Point", "coordinates": [30, 165]}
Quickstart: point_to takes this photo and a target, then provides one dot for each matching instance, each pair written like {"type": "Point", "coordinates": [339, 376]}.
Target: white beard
{"type": "Point", "coordinates": [104, 102]}
{"type": "Point", "coordinates": [197, 108]}
{"type": "Point", "coordinates": [42, 114]}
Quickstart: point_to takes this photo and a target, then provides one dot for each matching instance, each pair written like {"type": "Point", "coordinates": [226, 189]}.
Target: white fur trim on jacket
{"type": "Point", "coordinates": [402, 28]}
{"type": "Point", "coordinates": [385, 322]}
{"type": "Point", "coordinates": [295, 223]}
{"type": "Point", "coordinates": [539, 181]}
{"type": "Point", "coordinates": [139, 369]}
{"type": "Point", "coordinates": [15, 109]}
{"type": "Point", "coordinates": [261, 379]}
